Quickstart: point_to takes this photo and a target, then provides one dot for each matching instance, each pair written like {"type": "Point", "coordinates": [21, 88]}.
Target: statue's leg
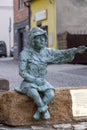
{"type": "Point", "coordinates": [48, 96]}
{"type": "Point", "coordinates": [34, 94]}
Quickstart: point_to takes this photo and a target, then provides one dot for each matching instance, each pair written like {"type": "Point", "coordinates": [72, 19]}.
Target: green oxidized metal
{"type": "Point", "coordinates": [33, 68]}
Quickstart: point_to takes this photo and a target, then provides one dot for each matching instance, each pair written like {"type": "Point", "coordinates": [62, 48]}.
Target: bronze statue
{"type": "Point", "coordinates": [33, 65]}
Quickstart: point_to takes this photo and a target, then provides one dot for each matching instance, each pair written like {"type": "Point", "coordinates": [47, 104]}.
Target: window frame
{"type": "Point", "coordinates": [21, 4]}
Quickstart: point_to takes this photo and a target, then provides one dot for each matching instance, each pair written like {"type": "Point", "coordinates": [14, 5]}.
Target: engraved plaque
{"type": "Point", "coordinates": [79, 102]}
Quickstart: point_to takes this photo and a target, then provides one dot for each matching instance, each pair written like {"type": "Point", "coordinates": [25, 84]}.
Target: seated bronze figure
{"type": "Point", "coordinates": [32, 67]}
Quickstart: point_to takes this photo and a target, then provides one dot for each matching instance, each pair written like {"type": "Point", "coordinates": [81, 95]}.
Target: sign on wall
{"type": "Point", "coordinates": [40, 15]}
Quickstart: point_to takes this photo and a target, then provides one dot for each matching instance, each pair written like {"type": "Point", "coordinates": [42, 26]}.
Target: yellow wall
{"type": "Point", "coordinates": [39, 5]}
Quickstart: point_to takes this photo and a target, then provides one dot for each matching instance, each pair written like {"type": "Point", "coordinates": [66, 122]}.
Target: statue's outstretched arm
{"type": "Point", "coordinates": [67, 55]}
{"type": "Point", "coordinates": [81, 49]}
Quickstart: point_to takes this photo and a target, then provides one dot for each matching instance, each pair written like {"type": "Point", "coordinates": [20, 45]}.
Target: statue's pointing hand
{"type": "Point", "coordinates": [81, 49]}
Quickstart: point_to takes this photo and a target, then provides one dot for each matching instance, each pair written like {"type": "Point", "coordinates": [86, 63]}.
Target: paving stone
{"type": "Point", "coordinates": [83, 123]}
{"type": "Point", "coordinates": [44, 127]}
{"type": "Point", "coordinates": [37, 127]}
{"type": "Point", "coordinates": [63, 126]}
{"type": "Point", "coordinates": [79, 127]}
{"type": "Point", "coordinates": [3, 128]}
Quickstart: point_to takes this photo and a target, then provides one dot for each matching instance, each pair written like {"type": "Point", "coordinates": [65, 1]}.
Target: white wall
{"type": "Point", "coordinates": [6, 2]}
{"type": "Point", "coordinates": [72, 16]}
{"type": "Point", "coordinates": [6, 12]}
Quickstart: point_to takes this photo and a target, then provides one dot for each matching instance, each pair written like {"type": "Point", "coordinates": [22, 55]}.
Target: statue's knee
{"type": "Point", "coordinates": [51, 94]}
{"type": "Point", "coordinates": [32, 93]}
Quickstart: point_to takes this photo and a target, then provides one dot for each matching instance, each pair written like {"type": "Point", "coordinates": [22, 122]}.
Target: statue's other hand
{"type": "Point", "coordinates": [39, 81]}
{"type": "Point", "coordinates": [81, 49]}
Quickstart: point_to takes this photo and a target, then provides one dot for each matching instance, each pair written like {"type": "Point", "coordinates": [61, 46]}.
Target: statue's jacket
{"type": "Point", "coordinates": [33, 65]}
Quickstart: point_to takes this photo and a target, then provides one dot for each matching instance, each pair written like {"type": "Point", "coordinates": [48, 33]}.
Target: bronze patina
{"type": "Point", "coordinates": [33, 68]}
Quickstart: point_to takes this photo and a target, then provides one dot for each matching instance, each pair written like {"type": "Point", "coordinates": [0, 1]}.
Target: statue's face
{"type": "Point", "coordinates": [40, 41]}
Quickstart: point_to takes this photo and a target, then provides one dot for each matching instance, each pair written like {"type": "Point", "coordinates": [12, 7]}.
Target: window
{"type": "Point", "coordinates": [21, 4]}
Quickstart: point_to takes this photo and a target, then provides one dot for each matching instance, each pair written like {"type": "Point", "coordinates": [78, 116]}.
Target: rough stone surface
{"type": "Point", "coordinates": [18, 109]}
{"type": "Point", "coordinates": [4, 85]}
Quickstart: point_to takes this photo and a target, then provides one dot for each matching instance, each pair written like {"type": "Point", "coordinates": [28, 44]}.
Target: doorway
{"type": "Point", "coordinates": [20, 40]}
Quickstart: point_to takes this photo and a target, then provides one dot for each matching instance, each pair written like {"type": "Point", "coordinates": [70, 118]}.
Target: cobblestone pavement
{"type": "Point", "coordinates": [65, 75]}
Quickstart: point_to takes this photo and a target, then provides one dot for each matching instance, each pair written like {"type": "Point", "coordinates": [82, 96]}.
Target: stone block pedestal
{"type": "Point", "coordinates": [18, 109]}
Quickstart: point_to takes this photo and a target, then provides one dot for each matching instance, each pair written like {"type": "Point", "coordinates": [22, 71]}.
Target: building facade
{"type": "Point", "coordinates": [42, 14]}
{"type": "Point", "coordinates": [58, 17]}
{"type": "Point", "coordinates": [72, 25]}
{"type": "Point", "coordinates": [20, 26]}
{"type": "Point", "coordinates": [65, 22]}
{"type": "Point", "coordinates": [6, 23]}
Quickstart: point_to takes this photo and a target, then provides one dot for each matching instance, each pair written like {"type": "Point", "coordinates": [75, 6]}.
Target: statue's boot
{"type": "Point", "coordinates": [46, 115]}
{"type": "Point", "coordinates": [40, 110]}
{"type": "Point", "coordinates": [36, 116]}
